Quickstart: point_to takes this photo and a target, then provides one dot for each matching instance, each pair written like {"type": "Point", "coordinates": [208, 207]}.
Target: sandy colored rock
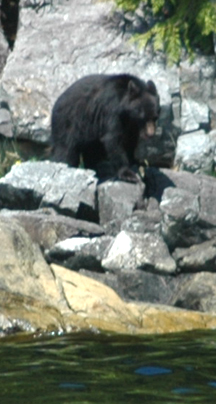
{"type": "Point", "coordinates": [21, 313]}
{"type": "Point", "coordinates": [23, 269]}
{"type": "Point", "coordinates": [35, 296]}
{"type": "Point", "coordinates": [99, 306]}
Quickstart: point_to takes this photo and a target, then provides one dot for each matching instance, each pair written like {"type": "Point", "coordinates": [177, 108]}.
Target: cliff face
{"type": "Point", "coordinates": [60, 41]}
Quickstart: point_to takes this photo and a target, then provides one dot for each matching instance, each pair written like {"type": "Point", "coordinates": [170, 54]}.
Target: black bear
{"type": "Point", "coordinates": [101, 118]}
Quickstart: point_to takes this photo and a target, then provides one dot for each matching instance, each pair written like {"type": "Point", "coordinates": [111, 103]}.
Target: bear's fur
{"type": "Point", "coordinates": [101, 118]}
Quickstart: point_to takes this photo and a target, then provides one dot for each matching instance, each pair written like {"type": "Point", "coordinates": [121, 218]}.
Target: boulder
{"type": "Point", "coordinates": [197, 293]}
{"type": "Point", "coordinates": [180, 209]}
{"type": "Point", "coordinates": [197, 83]}
{"type": "Point", "coordinates": [135, 250]}
{"type": "Point", "coordinates": [116, 202]}
{"type": "Point", "coordinates": [141, 286]}
{"type": "Point", "coordinates": [188, 211]}
{"type": "Point", "coordinates": [197, 258]}
{"type": "Point", "coordinates": [32, 185]}
{"type": "Point", "coordinates": [143, 221]}
{"type": "Point", "coordinates": [23, 270]}
{"type": "Point", "coordinates": [46, 227]}
{"type": "Point", "coordinates": [80, 252]}
{"type": "Point", "coordinates": [38, 298]}
{"type": "Point", "coordinates": [195, 152]}
{"type": "Point", "coordinates": [98, 306]}
{"type": "Point", "coordinates": [20, 313]}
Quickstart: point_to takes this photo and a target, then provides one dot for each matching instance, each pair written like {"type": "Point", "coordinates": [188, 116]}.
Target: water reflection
{"type": "Point", "coordinates": [86, 368]}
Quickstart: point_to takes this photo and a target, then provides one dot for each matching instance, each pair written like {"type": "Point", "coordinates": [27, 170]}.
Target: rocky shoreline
{"type": "Point", "coordinates": [80, 254]}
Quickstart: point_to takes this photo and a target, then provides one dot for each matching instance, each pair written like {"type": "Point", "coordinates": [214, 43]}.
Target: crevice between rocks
{"type": "Point", "coordinates": [9, 17]}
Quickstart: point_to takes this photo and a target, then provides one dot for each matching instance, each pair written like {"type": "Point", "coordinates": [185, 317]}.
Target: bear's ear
{"type": "Point", "coordinates": [133, 90]}
{"type": "Point", "coordinates": [151, 88]}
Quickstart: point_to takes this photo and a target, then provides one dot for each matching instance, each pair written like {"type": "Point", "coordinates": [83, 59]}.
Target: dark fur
{"type": "Point", "coordinates": [102, 117]}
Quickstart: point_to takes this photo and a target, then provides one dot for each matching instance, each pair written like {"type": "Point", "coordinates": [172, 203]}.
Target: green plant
{"type": "Point", "coordinates": [8, 155]}
{"type": "Point", "coordinates": [178, 25]}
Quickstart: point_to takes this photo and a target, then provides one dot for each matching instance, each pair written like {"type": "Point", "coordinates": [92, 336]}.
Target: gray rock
{"type": "Point", "coordinates": [197, 81]}
{"type": "Point", "coordinates": [116, 202]}
{"type": "Point", "coordinates": [38, 184]}
{"type": "Point", "coordinates": [180, 210]}
{"type": "Point", "coordinates": [157, 180]}
{"type": "Point", "coordinates": [141, 285]}
{"type": "Point", "coordinates": [187, 205]}
{"type": "Point", "coordinates": [47, 228]}
{"type": "Point", "coordinates": [5, 122]}
{"type": "Point", "coordinates": [132, 251]}
{"type": "Point", "coordinates": [207, 215]}
{"type": "Point", "coordinates": [80, 252]}
{"type": "Point", "coordinates": [176, 110]}
{"type": "Point", "coordinates": [201, 185]}
{"type": "Point", "coordinates": [193, 114]}
{"type": "Point", "coordinates": [50, 63]}
{"type": "Point", "coordinates": [143, 222]}
{"type": "Point", "coordinates": [197, 293]}
{"type": "Point", "coordinates": [196, 152]}
{"type": "Point", "coordinates": [198, 258]}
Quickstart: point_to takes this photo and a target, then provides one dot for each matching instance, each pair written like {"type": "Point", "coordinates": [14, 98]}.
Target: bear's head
{"type": "Point", "coordinates": [142, 107]}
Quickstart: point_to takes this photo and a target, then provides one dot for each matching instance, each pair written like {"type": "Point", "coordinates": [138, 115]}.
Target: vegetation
{"type": "Point", "coordinates": [179, 26]}
{"type": "Point", "coordinates": [8, 155]}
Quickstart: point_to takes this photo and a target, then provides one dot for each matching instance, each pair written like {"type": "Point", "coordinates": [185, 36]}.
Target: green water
{"type": "Point", "coordinates": [86, 368]}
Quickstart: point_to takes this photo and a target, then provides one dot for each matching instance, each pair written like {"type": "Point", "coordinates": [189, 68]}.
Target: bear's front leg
{"type": "Point", "coordinates": [117, 158]}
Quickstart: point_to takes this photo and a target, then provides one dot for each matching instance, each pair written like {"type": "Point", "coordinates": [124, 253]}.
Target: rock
{"type": "Point", "coordinates": [157, 180]}
{"type": "Point", "coordinates": [154, 319]}
{"type": "Point", "coordinates": [47, 228]}
{"type": "Point", "coordinates": [5, 121]}
{"type": "Point", "coordinates": [35, 298]}
{"type": "Point", "coordinates": [188, 211]}
{"type": "Point", "coordinates": [80, 252]}
{"type": "Point", "coordinates": [32, 185]}
{"type": "Point", "coordinates": [98, 306]}
{"type": "Point", "coordinates": [54, 63]}
{"type": "Point", "coordinates": [198, 258]}
{"type": "Point", "coordinates": [137, 259]}
{"type": "Point", "coordinates": [197, 293]}
{"type": "Point", "coordinates": [135, 250]}
{"type": "Point", "coordinates": [196, 152]}
{"type": "Point", "coordinates": [197, 80]}
{"type": "Point", "coordinates": [116, 202]}
{"type": "Point", "coordinates": [176, 209]}
{"type": "Point", "coordinates": [25, 314]}
{"type": "Point", "coordinates": [143, 221]}
{"type": "Point", "coordinates": [193, 114]}
{"type": "Point", "coordinates": [23, 270]}
{"type": "Point", "coordinates": [4, 50]}
{"type": "Point", "coordinates": [141, 286]}
{"type": "Point", "coordinates": [180, 210]}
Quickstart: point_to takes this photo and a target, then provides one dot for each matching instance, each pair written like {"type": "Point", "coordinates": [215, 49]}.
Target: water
{"type": "Point", "coordinates": [86, 368]}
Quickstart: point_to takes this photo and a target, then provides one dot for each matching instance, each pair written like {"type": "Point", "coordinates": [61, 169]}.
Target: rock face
{"type": "Point", "coordinates": [139, 251]}
{"type": "Point", "coordinates": [155, 255]}
{"type": "Point", "coordinates": [36, 298]}
{"type": "Point", "coordinates": [44, 63]}
{"type": "Point", "coordinates": [39, 189]}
